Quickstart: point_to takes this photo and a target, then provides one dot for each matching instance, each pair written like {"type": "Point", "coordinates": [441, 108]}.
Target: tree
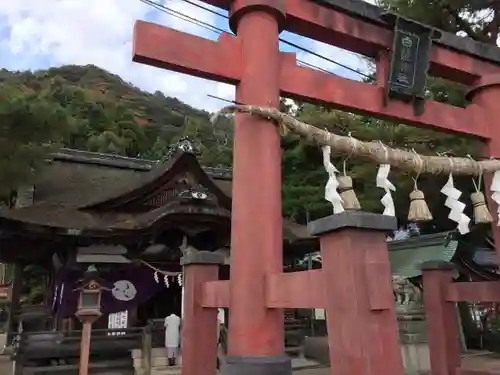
{"type": "Point", "coordinates": [476, 19]}
{"type": "Point", "coordinates": [31, 126]}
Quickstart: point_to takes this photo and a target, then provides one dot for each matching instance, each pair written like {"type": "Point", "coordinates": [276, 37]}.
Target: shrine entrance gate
{"type": "Point", "coordinates": [359, 303]}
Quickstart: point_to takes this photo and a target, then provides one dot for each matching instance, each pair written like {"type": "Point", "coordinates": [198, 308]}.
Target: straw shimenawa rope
{"type": "Point", "coordinates": [405, 160]}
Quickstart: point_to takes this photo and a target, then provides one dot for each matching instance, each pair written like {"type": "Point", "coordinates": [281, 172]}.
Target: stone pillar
{"type": "Point", "coordinates": [361, 318]}
{"type": "Point", "coordinates": [199, 324]}
{"type": "Point", "coordinates": [256, 333]}
{"type": "Point", "coordinates": [442, 319]}
{"type": "Point", "coordinates": [486, 95]}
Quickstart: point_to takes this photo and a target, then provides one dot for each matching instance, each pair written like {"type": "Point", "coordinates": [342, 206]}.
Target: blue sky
{"type": "Point", "coordinates": [38, 34]}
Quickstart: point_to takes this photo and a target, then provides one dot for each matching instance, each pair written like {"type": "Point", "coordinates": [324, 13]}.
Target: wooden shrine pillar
{"type": "Point", "coordinates": [14, 303]}
{"type": "Point", "coordinates": [199, 324]}
{"type": "Point", "coordinates": [442, 320]}
{"type": "Point", "coordinates": [486, 95]}
{"type": "Point", "coordinates": [256, 333]}
{"type": "Point", "coordinates": [360, 310]}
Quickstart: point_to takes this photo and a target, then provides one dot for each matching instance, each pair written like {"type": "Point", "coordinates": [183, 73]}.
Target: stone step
{"type": "Point", "coordinates": [155, 361]}
{"type": "Point", "coordinates": [163, 370]}
{"type": "Point", "coordinates": [175, 370]}
{"type": "Point", "coordinates": [155, 352]}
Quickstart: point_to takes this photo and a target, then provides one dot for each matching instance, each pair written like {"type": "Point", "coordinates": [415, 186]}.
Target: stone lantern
{"type": "Point", "coordinates": [88, 311]}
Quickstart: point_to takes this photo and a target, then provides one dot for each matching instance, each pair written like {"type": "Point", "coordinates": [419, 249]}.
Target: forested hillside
{"type": "Point", "coordinates": [109, 114]}
{"type": "Point", "coordinates": [87, 108]}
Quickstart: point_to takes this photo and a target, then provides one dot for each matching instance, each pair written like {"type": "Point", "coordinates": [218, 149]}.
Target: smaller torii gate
{"type": "Point", "coordinates": [354, 285]}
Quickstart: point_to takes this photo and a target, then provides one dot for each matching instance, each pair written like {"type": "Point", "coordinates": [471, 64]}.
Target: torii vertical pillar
{"type": "Point", "coordinates": [361, 318]}
{"type": "Point", "coordinates": [199, 324]}
{"type": "Point", "coordinates": [486, 95]}
{"type": "Point", "coordinates": [256, 333]}
{"type": "Point", "coordinates": [442, 320]}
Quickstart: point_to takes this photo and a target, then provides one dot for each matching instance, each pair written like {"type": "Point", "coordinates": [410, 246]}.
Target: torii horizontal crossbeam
{"type": "Point", "coordinates": [221, 61]}
{"type": "Point", "coordinates": [369, 37]}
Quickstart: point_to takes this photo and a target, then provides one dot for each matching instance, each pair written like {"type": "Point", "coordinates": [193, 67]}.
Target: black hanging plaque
{"type": "Point", "coordinates": [403, 77]}
{"type": "Point", "coordinates": [412, 42]}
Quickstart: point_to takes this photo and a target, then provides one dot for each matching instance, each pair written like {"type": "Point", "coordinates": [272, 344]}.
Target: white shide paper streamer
{"type": "Point", "coordinates": [384, 183]}
{"type": "Point", "coordinates": [456, 207]}
{"type": "Point", "coordinates": [495, 193]}
{"type": "Point", "coordinates": [331, 193]}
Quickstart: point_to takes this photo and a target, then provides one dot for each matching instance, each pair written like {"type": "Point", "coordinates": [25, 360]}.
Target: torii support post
{"type": "Point", "coordinates": [442, 321]}
{"type": "Point", "coordinates": [360, 313]}
{"type": "Point", "coordinates": [485, 94]}
{"type": "Point", "coordinates": [256, 333]}
{"type": "Point", "coordinates": [199, 324]}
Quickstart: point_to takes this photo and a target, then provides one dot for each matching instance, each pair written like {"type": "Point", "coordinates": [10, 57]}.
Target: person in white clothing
{"type": "Point", "coordinates": [172, 335]}
{"type": "Point", "coordinates": [220, 325]}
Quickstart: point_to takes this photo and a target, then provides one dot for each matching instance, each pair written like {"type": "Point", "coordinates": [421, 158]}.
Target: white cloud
{"type": "Point", "coordinates": [99, 32]}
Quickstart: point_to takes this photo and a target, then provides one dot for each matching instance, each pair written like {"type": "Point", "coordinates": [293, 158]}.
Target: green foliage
{"type": "Point", "coordinates": [477, 19]}
{"type": "Point", "coordinates": [31, 126]}
{"type": "Point", "coordinates": [110, 115]}
{"type": "Point", "coordinates": [87, 108]}
{"type": "Point", "coordinates": [34, 286]}
{"type": "Point", "coordinates": [215, 142]}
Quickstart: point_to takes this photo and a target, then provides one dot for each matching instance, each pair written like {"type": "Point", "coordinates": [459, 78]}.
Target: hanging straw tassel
{"type": "Point", "coordinates": [419, 211]}
{"type": "Point", "coordinates": [349, 199]}
{"type": "Point", "coordinates": [481, 213]}
{"type": "Point", "coordinates": [347, 193]}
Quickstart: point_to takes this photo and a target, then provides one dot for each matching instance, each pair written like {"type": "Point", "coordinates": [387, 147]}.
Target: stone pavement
{"type": "Point", "coordinates": [490, 362]}
{"type": "Point", "coordinates": [313, 371]}
{"type": "Point", "coordinates": [5, 365]}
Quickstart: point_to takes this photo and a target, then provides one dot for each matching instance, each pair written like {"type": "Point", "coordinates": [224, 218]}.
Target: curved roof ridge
{"type": "Point", "coordinates": [109, 160]}
{"type": "Point", "coordinates": [180, 157]}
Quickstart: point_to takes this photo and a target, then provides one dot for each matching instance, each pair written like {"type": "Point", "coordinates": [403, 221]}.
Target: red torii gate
{"type": "Point", "coordinates": [363, 332]}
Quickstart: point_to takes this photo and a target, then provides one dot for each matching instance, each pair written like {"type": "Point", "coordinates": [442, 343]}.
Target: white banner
{"type": "Point", "coordinates": [319, 314]}
{"type": "Point", "coordinates": [116, 321]}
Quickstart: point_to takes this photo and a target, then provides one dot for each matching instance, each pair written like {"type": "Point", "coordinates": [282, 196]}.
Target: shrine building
{"type": "Point", "coordinates": [133, 219]}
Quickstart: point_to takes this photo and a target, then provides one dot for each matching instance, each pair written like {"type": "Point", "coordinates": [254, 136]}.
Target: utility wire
{"type": "Point", "coordinates": [184, 17]}
{"type": "Point", "coordinates": [219, 31]}
{"type": "Point", "coordinates": [212, 28]}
